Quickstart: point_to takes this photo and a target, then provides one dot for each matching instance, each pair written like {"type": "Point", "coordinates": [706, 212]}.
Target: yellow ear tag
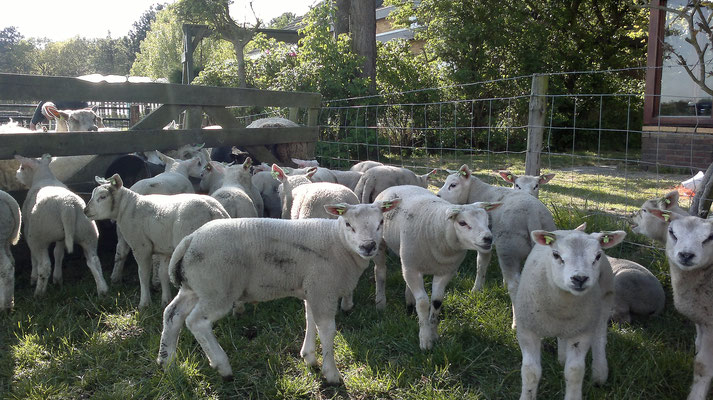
{"type": "Point", "coordinates": [386, 204]}
{"type": "Point", "coordinates": [112, 181]}
{"type": "Point", "coordinates": [208, 167]}
{"type": "Point", "coordinates": [549, 239]}
{"type": "Point", "coordinates": [340, 211]}
{"type": "Point", "coordinates": [605, 239]}
{"type": "Point", "coordinates": [666, 216]}
{"type": "Point", "coordinates": [667, 200]}
{"type": "Point", "coordinates": [463, 173]}
{"type": "Point", "coordinates": [509, 176]}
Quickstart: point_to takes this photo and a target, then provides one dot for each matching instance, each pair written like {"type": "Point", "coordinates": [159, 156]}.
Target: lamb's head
{"type": "Point", "coordinates": [209, 172]}
{"type": "Point", "coordinates": [362, 225]}
{"type": "Point", "coordinates": [305, 163]}
{"type": "Point", "coordinates": [102, 205]}
{"type": "Point", "coordinates": [575, 259]}
{"type": "Point", "coordinates": [287, 183]}
{"type": "Point", "coordinates": [647, 224]}
{"type": "Point", "coordinates": [527, 183]}
{"type": "Point", "coordinates": [85, 119]}
{"type": "Point", "coordinates": [471, 225]}
{"type": "Point", "coordinates": [457, 186]}
{"type": "Point", "coordinates": [188, 151]}
{"type": "Point", "coordinates": [191, 167]}
{"type": "Point", "coordinates": [240, 173]}
{"type": "Point", "coordinates": [423, 179]}
{"type": "Point", "coordinates": [29, 166]}
{"type": "Point", "coordinates": [689, 244]}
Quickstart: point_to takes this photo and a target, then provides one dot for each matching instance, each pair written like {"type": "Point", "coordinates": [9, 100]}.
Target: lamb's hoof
{"type": "Point", "coordinates": [426, 342]}
{"type": "Point", "coordinates": [227, 378]}
{"type": "Point", "coordinates": [380, 304]}
{"type": "Point", "coordinates": [410, 309]}
{"type": "Point", "coordinates": [333, 380]}
{"type": "Point", "coordinates": [115, 280]}
{"type": "Point", "coordinates": [57, 281]}
{"type": "Point", "coordinates": [310, 360]}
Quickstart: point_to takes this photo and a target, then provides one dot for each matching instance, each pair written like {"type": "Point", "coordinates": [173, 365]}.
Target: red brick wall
{"type": "Point", "coordinates": [677, 149]}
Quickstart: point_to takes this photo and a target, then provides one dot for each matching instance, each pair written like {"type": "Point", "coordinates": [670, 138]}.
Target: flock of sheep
{"type": "Point", "coordinates": [266, 232]}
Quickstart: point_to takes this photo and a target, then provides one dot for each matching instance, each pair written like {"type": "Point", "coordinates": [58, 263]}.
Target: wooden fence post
{"type": "Point", "coordinates": [536, 124]}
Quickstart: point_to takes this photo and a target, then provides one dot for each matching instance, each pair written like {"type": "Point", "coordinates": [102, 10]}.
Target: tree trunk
{"type": "Point", "coordinates": [239, 47]}
{"type": "Point", "coordinates": [341, 19]}
{"type": "Point", "coordinates": [362, 24]}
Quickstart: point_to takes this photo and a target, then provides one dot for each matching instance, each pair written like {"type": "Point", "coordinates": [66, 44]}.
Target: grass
{"type": "Point", "coordinates": [72, 344]}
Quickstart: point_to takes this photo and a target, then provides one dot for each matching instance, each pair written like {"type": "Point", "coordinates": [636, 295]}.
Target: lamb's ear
{"type": "Point", "coordinates": [46, 158]}
{"type": "Point", "coordinates": [433, 171]}
{"type": "Point", "coordinates": [582, 227]}
{"type": "Point", "coordinates": [545, 178]}
{"type": "Point", "coordinates": [336, 209]}
{"type": "Point", "coordinates": [247, 163]}
{"type": "Point", "coordinates": [278, 173]}
{"type": "Point", "coordinates": [25, 160]}
{"type": "Point", "coordinates": [487, 206]}
{"type": "Point", "coordinates": [63, 114]}
{"type": "Point", "coordinates": [100, 181]}
{"type": "Point", "coordinates": [543, 237]}
{"type": "Point", "coordinates": [453, 212]}
{"type": "Point", "coordinates": [310, 172]}
{"type": "Point", "coordinates": [610, 239]}
{"type": "Point", "coordinates": [116, 181]}
{"type": "Point", "coordinates": [217, 166]}
{"type": "Point", "coordinates": [669, 201]}
{"type": "Point", "coordinates": [507, 176]}
{"type": "Point", "coordinates": [464, 171]}
{"type": "Point", "coordinates": [663, 215]}
{"type": "Point", "coordinates": [388, 205]}
{"type": "Point", "coordinates": [166, 159]}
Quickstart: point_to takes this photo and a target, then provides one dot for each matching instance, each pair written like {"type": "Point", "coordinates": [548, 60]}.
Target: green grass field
{"type": "Point", "coordinates": [73, 345]}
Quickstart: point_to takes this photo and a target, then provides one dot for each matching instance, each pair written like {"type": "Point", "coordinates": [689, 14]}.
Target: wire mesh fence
{"type": "Point", "coordinates": [591, 141]}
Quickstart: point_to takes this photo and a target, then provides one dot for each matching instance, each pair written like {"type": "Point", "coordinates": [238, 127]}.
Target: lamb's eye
{"type": "Point", "coordinates": [381, 223]}
{"type": "Point", "coordinates": [643, 210]}
{"type": "Point", "coordinates": [708, 239]}
{"type": "Point", "coordinates": [517, 186]}
{"type": "Point", "coordinates": [597, 257]}
{"type": "Point", "coordinates": [536, 186]}
{"type": "Point", "coordinates": [451, 186]}
{"type": "Point", "coordinates": [670, 232]}
{"type": "Point", "coordinates": [462, 223]}
{"type": "Point", "coordinates": [557, 256]}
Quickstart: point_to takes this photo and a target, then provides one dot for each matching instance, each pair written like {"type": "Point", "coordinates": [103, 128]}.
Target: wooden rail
{"type": "Point", "coordinates": [147, 134]}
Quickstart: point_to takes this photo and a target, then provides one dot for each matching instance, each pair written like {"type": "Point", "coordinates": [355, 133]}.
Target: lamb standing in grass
{"type": "Point", "coordinates": [173, 180]}
{"type": "Point", "coordinates": [432, 237]}
{"type": "Point", "coordinates": [53, 214]}
{"type": "Point", "coordinates": [643, 222]}
{"type": "Point", "coordinates": [287, 184]}
{"type": "Point", "coordinates": [151, 225]}
{"type": "Point", "coordinates": [512, 223]}
{"type": "Point", "coordinates": [376, 179]}
{"type": "Point", "coordinates": [10, 220]}
{"type": "Point", "coordinates": [567, 291]}
{"type": "Point", "coordinates": [689, 249]}
{"type": "Point", "coordinates": [213, 178]}
{"type": "Point", "coordinates": [527, 183]}
{"type": "Point", "coordinates": [316, 260]}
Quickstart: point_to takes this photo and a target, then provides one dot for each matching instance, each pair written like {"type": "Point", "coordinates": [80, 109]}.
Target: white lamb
{"type": "Point", "coordinates": [53, 214]}
{"type": "Point", "coordinates": [287, 184]}
{"type": "Point", "coordinates": [365, 165]}
{"type": "Point", "coordinates": [316, 260]}
{"type": "Point", "coordinates": [512, 223]}
{"type": "Point", "coordinates": [346, 178]}
{"type": "Point", "coordinates": [9, 167]}
{"type": "Point", "coordinates": [232, 194]}
{"type": "Point", "coordinates": [528, 183]}
{"type": "Point", "coordinates": [213, 178]}
{"type": "Point", "coordinates": [649, 225]}
{"type": "Point", "coordinates": [637, 291]}
{"type": "Point", "coordinates": [151, 224]}
{"type": "Point", "coordinates": [432, 237]}
{"type": "Point", "coordinates": [376, 179]}
{"type": "Point", "coordinates": [566, 291]}
{"type": "Point", "coordinates": [689, 249]}
{"type": "Point", "coordinates": [10, 220]}
{"type": "Point", "coordinates": [173, 180]}
{"type": "Point", "coordinates": [267, 186]}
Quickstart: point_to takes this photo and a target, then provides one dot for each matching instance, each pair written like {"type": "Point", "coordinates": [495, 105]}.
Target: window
{"type": "Point", "coordinates": [672, 95]}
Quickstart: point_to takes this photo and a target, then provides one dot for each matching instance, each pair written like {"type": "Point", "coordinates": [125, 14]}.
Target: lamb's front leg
{"type": "Point", "coordinates": [143, 259]}
{"type": "Point", "coordinates": [414, 281]}
{"type": "Point", "coordinates": [324, 309]}
{"type": "Point", "coordinates": [577, 349]}
{"type": "Point", "coordinates": [309, 343]}
{"type": "Point", "coordinates": [438, 290]}
{"type": "Point", "coordinates": [122, 252]}
{"type": "Point", "coordinates": [482, 263]}
{"type": "Point", "coordinates": [530, 346]}
{"type": "Point", "coordinates": [163, 278]}
{"type": "Point", "coordinates": [380, 276]}
{"type": "Point", "coordinates": [600, 368]}
{"type": "Point", "coordinates": [702, 364]}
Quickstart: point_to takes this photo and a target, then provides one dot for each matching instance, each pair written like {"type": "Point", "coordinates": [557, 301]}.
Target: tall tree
{"type": "Point", "coordinates": [362, 24]}
{"type": "Point", "coordinates": [341, 19]}
{"type": "Point", "coordinates": [140, 28]}
{"type": "Point", "coordinates": [216, 14]}
{"type": "Point", "coordinates": [282, 21]}
{"type": "Point", "coordinates": [16, 54]}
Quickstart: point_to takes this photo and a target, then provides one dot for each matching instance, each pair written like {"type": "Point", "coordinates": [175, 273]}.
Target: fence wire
{"type": "Point", "coordinates": [592, 141]}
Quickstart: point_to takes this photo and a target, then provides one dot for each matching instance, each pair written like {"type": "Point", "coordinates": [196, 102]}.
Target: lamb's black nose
{"type": "Point", "coordinates": [368, 248]}
{"type": "Point", "coordinates": [686, 258]}
{"type": "Point", "coordinates": [579, 281]}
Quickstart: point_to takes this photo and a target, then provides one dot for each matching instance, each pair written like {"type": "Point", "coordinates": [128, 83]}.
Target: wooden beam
{"type": "Point", "coordinates": [159, 117]}
{"type": "Point", "coordinates": [119, 142]}
{"type": "Point", "coordinates": [33, 87]}
{"type": "Point", "coordinates": [536, 124]}
{"type": "Point", "coordinates": [224, 118]}
{"type": "Point", "coordinates": [282, 35]}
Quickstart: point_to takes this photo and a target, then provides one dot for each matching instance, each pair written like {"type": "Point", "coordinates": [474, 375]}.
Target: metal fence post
{"type": "Point", "coordinates": [536, 123]}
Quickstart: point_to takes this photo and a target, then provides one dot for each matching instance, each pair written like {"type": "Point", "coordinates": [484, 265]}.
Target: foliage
{"type": "Point", "coordinates": [16, 53]}
{"type": "Point", "coordinates": [140, 28]}
{"type": "Point", "coordinates": [281, 21]}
